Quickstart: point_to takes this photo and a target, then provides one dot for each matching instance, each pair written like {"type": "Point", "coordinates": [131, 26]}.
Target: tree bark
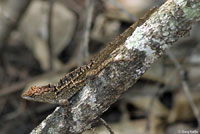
{"type": "Point", "coordinates": [148, 42]}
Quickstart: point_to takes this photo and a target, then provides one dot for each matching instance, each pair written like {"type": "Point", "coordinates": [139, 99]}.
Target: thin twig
{"type": "Point", "coordinates": [149, 109]}
{"type": "Point", "coordinates": [84, 55]}
{"type": "Point", "coordinates": [50, 33]}
{"type": "Point", "coordinates": [106, 125]}
{"type": "Point", "coordinates": [148, 113]}
{"type": "Point", "coordinates": [185, 86]}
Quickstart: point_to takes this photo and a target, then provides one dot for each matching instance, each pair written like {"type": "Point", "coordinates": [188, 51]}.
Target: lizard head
{"type": "Point", "coordinates": [41, 94]}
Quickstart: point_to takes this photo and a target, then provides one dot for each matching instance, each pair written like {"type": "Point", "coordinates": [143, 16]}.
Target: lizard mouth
{"type": "Point", "coordinates": [27, 97]}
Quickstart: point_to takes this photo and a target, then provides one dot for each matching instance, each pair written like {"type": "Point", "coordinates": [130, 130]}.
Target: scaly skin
{"type": "Point", "coordinates": [76, 80]}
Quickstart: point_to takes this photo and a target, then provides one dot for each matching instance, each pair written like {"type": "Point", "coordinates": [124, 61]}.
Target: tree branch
{"type": "Point", "coordinates": [147, 43]}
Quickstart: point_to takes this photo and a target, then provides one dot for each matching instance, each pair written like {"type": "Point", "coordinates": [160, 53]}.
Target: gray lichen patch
{"type": "Point", "coordinates": [190, 8]}
{"type": "Point", "coordinates": [159, 32]}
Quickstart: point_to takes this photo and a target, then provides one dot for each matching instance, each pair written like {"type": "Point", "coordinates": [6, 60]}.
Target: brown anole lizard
{"type": "Point", "coordinates": [74, 81]}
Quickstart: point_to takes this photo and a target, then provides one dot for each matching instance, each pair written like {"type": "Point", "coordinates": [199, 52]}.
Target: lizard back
{"type": "Point", "coordinates": [74, 80]}
{"type": "Point", "coordinates": [71, 83]}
